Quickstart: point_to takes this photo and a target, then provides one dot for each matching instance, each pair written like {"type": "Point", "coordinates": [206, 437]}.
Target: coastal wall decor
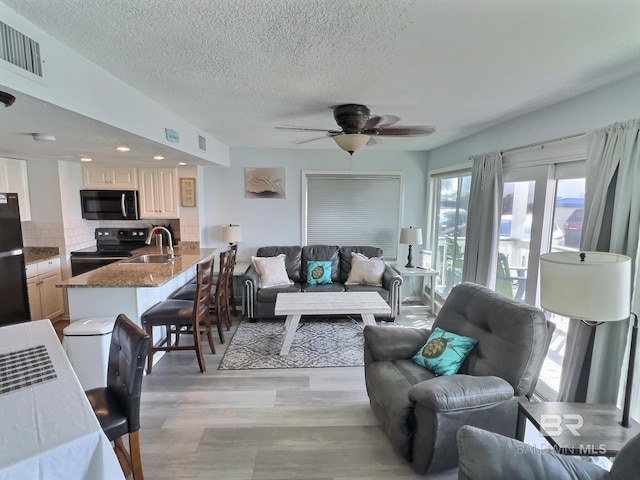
{"type": "Point", "coordinates": [265, 183]}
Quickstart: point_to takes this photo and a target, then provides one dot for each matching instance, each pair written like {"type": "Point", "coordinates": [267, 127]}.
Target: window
{"type": "Point", "coordinates": [450, 197]}
{"type": "Point", "coordinates": [353, 208]}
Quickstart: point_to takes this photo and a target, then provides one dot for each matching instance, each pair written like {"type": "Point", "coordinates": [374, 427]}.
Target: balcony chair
{"type": "Point", "coordinates": [117, 405]}
{"type": "Point", "coordinates": [183, 316]}
{"type": "Point", "coordinates": [507, 283]}
{"type": "Point", "coordinates": [421, 411]}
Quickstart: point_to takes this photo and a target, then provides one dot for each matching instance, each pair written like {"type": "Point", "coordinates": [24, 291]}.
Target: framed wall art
{"type": "Point", "coordinates": [188, 192]}
{"type": "Point", "coordinates": [265, 183]}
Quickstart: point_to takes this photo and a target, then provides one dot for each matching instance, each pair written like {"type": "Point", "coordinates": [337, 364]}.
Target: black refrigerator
{"type": "Point", "coordinates": [14, 300]}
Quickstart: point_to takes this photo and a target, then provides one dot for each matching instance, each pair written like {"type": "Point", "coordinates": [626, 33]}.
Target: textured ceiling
{"type": "Point", "coordinates": [236, 69]}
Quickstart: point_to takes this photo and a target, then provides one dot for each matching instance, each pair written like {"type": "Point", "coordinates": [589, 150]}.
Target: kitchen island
{"type": "Point", "coordinates": [130, 288]}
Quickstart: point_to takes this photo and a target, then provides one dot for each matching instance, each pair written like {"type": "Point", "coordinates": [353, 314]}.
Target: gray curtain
{"type": "Point", "coordinates": [483, 220]}
{"type": "Point", "coordinates": [594, 361]}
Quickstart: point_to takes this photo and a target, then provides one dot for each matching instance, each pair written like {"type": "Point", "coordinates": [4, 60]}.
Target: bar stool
{"type": "Point", "coordinates": [183, 316]}
{"type": "Point", "coordinates": [219, 302]}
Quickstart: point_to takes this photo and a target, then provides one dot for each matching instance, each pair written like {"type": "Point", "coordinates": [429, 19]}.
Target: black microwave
{"type": "Point", "coordinates": [109, 204]}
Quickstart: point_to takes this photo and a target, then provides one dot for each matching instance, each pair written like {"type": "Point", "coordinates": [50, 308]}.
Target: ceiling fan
{"type": "Point", "coordinates": [360, 128]}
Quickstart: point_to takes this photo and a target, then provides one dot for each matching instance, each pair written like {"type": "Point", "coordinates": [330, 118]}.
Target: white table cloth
{"type": "Point", "coordinates": [47, 429]}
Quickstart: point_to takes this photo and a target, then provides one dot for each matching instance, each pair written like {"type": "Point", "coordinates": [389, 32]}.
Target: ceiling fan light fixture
{"type": "Point", "coordinates": [351, 142]}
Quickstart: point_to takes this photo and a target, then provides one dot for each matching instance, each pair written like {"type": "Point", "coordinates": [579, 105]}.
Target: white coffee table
{"type": "Point", "coordinates": [294, 305]}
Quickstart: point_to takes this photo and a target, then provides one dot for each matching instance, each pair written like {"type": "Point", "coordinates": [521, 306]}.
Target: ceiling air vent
{"type": "Point", "coordinates": [20, 50]}
{"type": "Point", "coordinates": [202, 143]}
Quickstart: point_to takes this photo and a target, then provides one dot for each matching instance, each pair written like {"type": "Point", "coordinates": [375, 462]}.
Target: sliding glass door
{"type": "Point", "coordinates": [541, 212]}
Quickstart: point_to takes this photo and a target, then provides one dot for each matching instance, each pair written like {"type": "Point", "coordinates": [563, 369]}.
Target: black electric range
{"type": "Point", "coordinates": [112, 244]}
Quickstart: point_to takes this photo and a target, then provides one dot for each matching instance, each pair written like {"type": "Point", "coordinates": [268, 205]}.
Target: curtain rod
{"type": "Point", "coordinates": [530, 145]}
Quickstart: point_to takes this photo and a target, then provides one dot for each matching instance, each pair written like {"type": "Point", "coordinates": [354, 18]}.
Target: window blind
{"type": "Point", "coordinates": [354, 209]}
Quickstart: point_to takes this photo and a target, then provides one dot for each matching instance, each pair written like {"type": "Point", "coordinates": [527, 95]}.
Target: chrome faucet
{"type": "Point", "coordinates": [170, 253]}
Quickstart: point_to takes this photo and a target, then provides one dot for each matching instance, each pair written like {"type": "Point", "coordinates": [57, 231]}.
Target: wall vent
{"type": "Point", "coordinates": [20, 50]}
{"type": "Point", "coordinates": [202, 143]}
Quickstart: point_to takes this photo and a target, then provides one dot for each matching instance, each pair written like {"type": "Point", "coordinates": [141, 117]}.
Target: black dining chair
{"type": "Point", "coordinates": [117, 405]}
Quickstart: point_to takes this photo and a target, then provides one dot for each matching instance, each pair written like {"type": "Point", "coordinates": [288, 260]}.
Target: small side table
{"type": "Point", "coordinates": [427, 273]}
{"type": "Point", "coordinates": [586, 429]}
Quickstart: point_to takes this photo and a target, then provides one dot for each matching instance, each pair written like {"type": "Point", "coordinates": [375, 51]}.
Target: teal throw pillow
{"type": "Point", "coordinates": [318, 273]}
{"type": "Point", "coordinates": [444, 352]}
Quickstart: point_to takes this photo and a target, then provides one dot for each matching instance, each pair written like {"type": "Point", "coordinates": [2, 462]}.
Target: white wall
{"type": "Point", "coordinates": [613, 103]}
{"type": "Point", "coordinates": [277, 221]}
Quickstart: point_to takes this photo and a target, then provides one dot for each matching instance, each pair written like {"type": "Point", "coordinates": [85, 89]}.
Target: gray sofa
{"type": "Point", "coordinates": [260, 302]}
{"type": "Point", "coordinates": [489, 456]}
{"type": "Point", "coordinates": [421, 412]}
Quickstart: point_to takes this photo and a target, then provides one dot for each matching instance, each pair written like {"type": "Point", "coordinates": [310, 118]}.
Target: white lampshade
{"type": "Point", "coordinates": [230, 233]}
{"type": "Point", "coordinates": [597, 289]}
{"type": "Point", "coordinates": [411, 236]}
{"type": "Point", "coordinates": [350, 142]}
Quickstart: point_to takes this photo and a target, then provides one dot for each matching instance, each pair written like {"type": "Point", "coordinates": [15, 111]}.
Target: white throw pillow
{"type": "Point", "coordinates": [367, 271]}
{"type": "Point", "coordinates": [271, 271]}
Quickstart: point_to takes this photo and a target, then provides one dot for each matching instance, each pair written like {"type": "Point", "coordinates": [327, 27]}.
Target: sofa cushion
{"type": "Point", "coordinates": [444, 352]}
{"type": "Point", "coordinates": [292, 262]}
{"type": "Point", "coordinates": [345, 258]}
{"type": "Point", "coordinates": [268, 295]}
{"type": "Point", "coordinates": [367, 271]}
{"type": "Point", "coordinates": [325, 253]}
{"type": "Point", "coordinates": [383, 292]}
{"type": "Point", "coordinates": [329, 287]}
{"type": "Point", "coordinates": [318, 272]}
{"type": "Point", "coordinates": [271, 271]}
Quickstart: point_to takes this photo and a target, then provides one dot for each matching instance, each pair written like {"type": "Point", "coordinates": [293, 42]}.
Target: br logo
{"type": "Point", "coordinates": [554, 424]}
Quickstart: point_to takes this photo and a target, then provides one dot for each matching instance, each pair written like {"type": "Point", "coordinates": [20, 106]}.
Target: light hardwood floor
{"type": "Point", "coordinates": [312, 423]}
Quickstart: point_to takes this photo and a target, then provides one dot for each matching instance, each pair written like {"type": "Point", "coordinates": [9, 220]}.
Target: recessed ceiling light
{"type": "Point", "coordinates": [122, 148]}
{"type": "Point", "coordinates": [86, 159]}
{"type": "Point", "coordinates": [182, 163]}
{"type": "Point", "coordinates": [158, 157]}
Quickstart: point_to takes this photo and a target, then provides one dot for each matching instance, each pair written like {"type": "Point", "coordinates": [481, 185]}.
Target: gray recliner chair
{"type": "Point", "coordinates": [421, 412]}
{"type": "Point", "coordinates": [489, 456]}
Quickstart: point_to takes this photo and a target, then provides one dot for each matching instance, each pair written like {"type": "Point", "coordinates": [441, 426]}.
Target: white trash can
{"type": "Point", "coordinates": [87, 342]}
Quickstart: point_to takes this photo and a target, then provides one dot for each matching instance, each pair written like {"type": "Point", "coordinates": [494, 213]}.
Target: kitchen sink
{"type": "Point", "coordinates": [151, 258]}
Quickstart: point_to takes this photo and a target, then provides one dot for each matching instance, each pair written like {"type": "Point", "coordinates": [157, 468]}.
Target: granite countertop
{"type": "Point", "coordinates": [125, 275]}
{"type": "Point", "coordinates": [38, 254]}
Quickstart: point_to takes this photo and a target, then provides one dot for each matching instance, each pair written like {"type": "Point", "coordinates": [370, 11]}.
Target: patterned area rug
{"type": "Point", "coordinates": [318, 343]}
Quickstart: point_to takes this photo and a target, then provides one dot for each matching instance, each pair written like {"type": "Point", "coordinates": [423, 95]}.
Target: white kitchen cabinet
{"type": "Point", "coordinates": [13, 178]}
{"type": "Point", "coordinates": [109, 177]}
{"type": "Point", "coordinates": [45, 299]}
{"type": "Point", "coordinates": [158, 193]}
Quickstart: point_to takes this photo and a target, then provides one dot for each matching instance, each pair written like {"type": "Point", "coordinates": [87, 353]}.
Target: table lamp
{"type": "Point", "coordinates": [410, 236]}
{"type": "Point", "coordinates": [230, 234]}
{"type": "Point", "coordinates": [594, 287]}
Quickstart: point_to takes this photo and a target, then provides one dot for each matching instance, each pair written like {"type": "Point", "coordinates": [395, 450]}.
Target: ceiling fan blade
{"type": "Point", "coordinates": [310, 140]}
{"type": "Point", "coordinates": [407, 131]}
{"type": "Point", "coordinates": [379, 121]}
{"type": "Point", "coordinates": [301, 129]}
{"type": "Point", "coordinates": [373, 141]}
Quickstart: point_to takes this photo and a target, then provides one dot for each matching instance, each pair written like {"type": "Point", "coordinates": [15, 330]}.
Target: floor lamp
{"type": "Point", "coordinates": [594, 287]}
